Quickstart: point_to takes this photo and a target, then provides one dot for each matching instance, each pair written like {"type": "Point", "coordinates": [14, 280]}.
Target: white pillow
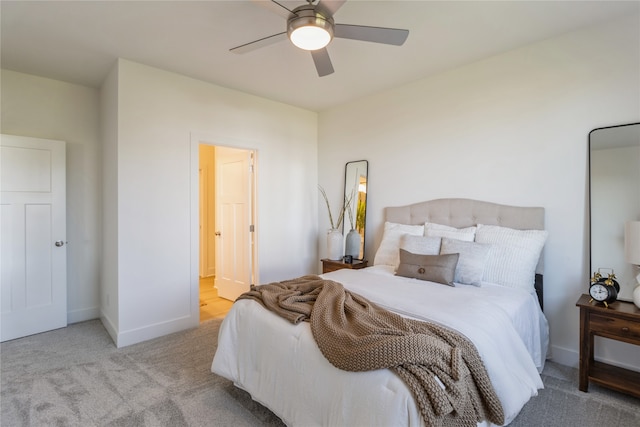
{"type": "Point", "coordinates": [420, 245]}
{"type": "Point", "coordinates": [439, 230]}
{"type": "Point", "coordinates": [473, 258]}
{"type": "Point", "coordinates": [389, 251]}
{"type": "Point", "coordinates": [514, 255]}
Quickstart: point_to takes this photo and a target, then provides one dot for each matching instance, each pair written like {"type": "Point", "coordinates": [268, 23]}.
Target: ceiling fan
{"type": "Point", "coordinates": [311, 27]}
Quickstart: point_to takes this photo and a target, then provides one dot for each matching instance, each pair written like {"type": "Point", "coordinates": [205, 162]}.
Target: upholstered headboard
{"type": "Point", "coordinates": [461, 213]}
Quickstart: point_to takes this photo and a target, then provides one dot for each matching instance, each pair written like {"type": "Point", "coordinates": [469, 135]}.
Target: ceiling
{"type": "Point", "coordinates": [79, 41]}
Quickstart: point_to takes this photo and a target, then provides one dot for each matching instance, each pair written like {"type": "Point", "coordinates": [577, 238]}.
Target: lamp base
{"type": "Point", "coordinates": [636, 292]}
{"type": "Point", "coordinates": [636, 296]}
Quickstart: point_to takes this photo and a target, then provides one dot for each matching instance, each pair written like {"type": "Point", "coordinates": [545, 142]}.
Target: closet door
{"type": "Point", "coordinates": [33, 255]}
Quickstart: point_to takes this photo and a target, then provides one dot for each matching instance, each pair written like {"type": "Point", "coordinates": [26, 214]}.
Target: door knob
{"type": "Point", "coordinates": [217, 233]}
{"type": "Point", "coordinates": [59, 243]}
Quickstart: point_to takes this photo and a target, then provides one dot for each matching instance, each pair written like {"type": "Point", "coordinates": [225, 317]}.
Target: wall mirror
{"type": "Point", "coordinates": [614, 199]}
{"type": "Point", "coordinates": [355, 191]}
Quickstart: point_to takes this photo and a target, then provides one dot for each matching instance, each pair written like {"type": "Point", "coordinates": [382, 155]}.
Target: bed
{"type": "Point", "coordinates": [497, 308]}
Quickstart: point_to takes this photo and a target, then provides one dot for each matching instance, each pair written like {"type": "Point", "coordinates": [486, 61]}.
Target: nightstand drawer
{"type": "Point", "coordinates": [328, 268]}
{"type": "Point", "coordinates": [615, 326]}
{"type": "Point", "coordinates": [329, 265]}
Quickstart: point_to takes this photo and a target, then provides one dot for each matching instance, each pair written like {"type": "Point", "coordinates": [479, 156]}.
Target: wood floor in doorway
{"type": "Point", "coordinates": [211, 305]}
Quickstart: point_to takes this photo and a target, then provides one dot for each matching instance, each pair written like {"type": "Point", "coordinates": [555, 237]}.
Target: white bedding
{"type": "Point", "coordinates": [280, 365]}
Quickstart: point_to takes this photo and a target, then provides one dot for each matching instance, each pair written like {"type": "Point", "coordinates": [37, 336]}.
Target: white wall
{"type": "Point", "coordinates": [44, 108]}
{"type": "Point", "coordinates": [140, 127]}
{"type": "Point", "coordinates": [509, 129]}
{"type": "Point", "coordinates": [158, 115]}
{"type": "Point", "coordinates": [109, 295]}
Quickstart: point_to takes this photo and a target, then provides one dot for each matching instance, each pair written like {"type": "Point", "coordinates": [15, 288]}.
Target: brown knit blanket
{"type": "Point", "coordinates": [354, 334]}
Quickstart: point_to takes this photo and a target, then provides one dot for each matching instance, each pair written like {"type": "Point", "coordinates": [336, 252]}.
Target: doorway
{"type": "Point", "coordinates": [226, 192]}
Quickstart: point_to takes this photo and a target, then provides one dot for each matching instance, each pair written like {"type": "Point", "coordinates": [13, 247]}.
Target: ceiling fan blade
{"type": "Point", "coordinates": [273, 6]}
{"type": "Point", "coordinates": [330, 6]}
{"type": "Point", "coordinates": [322, 61]}
{"type": "Point", "coordinates": [392, 36]}
{"type": "Point", "coordinates": [257, 44]}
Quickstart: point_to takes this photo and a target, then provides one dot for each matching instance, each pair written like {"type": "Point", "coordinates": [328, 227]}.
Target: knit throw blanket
{"type": "Point", "coordinates": [354, 334]}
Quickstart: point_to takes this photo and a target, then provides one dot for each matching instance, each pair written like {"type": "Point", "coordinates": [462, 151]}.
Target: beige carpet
{"type": "Point", "coordinates": [76, 377]}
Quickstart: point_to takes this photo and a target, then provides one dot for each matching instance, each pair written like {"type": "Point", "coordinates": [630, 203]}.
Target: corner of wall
{"type": "Point", "coordinates": [109, 326]}
{"type": "Point", "coordinates": [109, 251]}
{"type": "Point", "coordinates": [564, 356]}
{"type": "Point", "coordinates": [77, 316]}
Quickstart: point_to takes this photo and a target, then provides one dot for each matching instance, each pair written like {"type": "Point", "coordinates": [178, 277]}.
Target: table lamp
{"type": "Point", "coordinates": [632, 252]}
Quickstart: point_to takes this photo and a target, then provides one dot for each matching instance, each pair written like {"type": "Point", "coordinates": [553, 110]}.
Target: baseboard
{"type": "Point", "coordinates": [565, 356]}
{"type": "Point", "coordinates": [137, 335]}
{"type": "Point", "coordinates": [83, 315]}
{"type": "Point", "coordinates": [571, 358]}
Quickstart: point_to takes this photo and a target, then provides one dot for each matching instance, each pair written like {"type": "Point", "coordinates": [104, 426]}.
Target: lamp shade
{"type": "Point", "coordinates": [632, 242]}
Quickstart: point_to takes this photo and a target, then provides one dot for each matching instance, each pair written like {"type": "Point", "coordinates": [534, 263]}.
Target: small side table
{"type": "Point", "coordinates": [620, 322]}
{"type": "Point", "coordinates": [329, 265]}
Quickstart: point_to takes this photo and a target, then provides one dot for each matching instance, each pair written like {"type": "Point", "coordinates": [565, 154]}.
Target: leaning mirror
{"type": "Point", "coordinates": [614, 198]}
{"type": "Point", "coordinates": [355, 196]}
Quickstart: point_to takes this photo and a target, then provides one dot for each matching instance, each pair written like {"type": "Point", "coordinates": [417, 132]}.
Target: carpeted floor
{"type": "Point", "coordinates": [76, 377]}
{"type": "Point", "coordinates": [561, 404]}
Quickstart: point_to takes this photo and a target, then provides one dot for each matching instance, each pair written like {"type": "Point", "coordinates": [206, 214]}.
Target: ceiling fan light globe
{"type": "Point", "coordinates": [309, 29]}
{"type": "Point", "coordinates": [310, 37]}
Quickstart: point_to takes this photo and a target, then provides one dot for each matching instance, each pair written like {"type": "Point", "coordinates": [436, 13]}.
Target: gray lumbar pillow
{"type": "Point", "coordinates": [433, 268]}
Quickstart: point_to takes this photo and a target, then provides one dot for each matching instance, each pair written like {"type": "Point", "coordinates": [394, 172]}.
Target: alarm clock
{"type": "Point", "coordinates": [604, 290]}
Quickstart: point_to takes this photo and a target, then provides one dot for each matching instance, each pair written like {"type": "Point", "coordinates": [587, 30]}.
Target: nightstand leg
{"type": "Point", "coordinates": [586, 347]}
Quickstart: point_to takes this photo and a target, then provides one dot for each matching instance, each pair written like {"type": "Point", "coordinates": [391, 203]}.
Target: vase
{"type": "Point", "coordinates": [352, 244]}
{"type": "Point", "coordinates": [334, 244]}
{"type": "Point", "coordinates": [636, 296]}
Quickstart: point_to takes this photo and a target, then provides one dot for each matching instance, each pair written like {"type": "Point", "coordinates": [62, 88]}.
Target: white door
{"type": "Point", "coordinates": [33, 257]}
{"type": "Point", "coordinates": [233, 221]}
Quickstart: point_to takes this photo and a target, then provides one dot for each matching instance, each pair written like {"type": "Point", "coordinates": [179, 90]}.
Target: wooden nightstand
{"type": "Point", "coordinates": [621, 322]}
{"type": "Point", "coordinates": [329, 265]}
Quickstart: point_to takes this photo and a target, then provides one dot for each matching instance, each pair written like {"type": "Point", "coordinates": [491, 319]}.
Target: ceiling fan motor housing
{"type": "Point", "coordinates": [308, 16]}
{"type": "Point", "coordinates": [311, 27]}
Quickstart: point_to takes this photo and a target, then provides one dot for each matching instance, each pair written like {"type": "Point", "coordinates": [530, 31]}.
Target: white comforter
{"type": "Point", "coordinates": [280, 365]}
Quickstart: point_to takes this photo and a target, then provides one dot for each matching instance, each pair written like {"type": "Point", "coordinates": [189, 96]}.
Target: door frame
{"type": "Point", "coordinates": [221, 141]}
{"type": "Point", "coordinates": [207, 210]}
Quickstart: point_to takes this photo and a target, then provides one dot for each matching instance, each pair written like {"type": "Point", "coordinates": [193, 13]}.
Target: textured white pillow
{"type": "Point", "coordinates": [420, 245]}
{"type": "Point", "coordinates": [473, 258]}
{"type": "Point", "coordinates": [389, 251]}
{"type": "Point", "coordinates": [514, 255]}
{"type": "Point", "coordinates": [439, 230]}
